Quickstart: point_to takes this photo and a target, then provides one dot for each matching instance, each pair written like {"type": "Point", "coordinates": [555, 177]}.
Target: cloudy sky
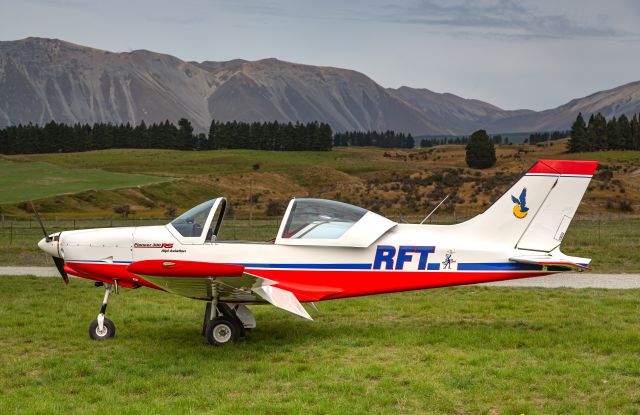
{"type": "Point", "coordinates": [514, 54]}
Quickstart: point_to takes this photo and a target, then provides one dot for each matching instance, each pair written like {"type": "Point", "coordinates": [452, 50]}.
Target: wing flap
{"type": "Point", "coordinates": [282, 299]}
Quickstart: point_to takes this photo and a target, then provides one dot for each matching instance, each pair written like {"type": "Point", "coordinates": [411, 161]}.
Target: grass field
{"type": "Point", "coordinates": [475, 350]}
{"type": "Point", "coordinates": [23, 181]}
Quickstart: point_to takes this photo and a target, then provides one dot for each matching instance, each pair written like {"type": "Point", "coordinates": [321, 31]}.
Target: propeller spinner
{"type": "Point", "coordinates": [49, 244]}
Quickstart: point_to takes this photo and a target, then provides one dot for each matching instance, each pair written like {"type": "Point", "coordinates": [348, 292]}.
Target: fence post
{"type": "Point", "coordinates": [235, 236]}
{"type": "Point", "coordinates": [11, 234]}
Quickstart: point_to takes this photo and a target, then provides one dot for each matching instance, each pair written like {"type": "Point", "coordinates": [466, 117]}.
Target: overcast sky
{"type": "Point", "coordinates": [526, 54]}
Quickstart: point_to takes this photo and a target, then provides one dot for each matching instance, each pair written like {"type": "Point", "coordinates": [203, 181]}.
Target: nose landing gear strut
{"type": "Point", "coordinates": [102, 328]}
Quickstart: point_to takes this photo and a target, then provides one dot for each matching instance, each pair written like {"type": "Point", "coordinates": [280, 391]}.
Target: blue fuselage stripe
{"type": "Point", "coordinates": [497, 266]}
{"type": "Point", "coordinates": [309, 266]}
{"type": "Point", "coordinates": [462, 266]}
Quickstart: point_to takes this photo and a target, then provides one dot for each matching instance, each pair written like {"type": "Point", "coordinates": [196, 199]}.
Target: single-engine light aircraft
{"type": "Point", "coordinates": [326, 250]}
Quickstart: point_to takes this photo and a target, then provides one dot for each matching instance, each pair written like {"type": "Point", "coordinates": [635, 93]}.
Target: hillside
{"type": "Point", "coordinates": [50, 79]}
{"type": "Point", "coordinates": [624, 99]}
{"type": "Point", "coordinates": [393, 182]}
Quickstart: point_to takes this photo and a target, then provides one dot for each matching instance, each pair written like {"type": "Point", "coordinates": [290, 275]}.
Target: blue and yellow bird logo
{"type": "Point", "coordinates": [520, 209]}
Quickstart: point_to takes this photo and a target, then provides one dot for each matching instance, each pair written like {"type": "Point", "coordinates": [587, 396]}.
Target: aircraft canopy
{"type": "Point", "coordinates": [330, 223]}
{"type": "Point", "coordinates": [306, 222]}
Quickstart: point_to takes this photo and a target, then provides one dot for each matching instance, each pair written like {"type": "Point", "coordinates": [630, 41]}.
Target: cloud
{"type": "Point", "coordinates": [498, 19]}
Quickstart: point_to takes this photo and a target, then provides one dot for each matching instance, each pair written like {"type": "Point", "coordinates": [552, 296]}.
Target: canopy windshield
{"type": "Point", "coordinates": [191, 223]}
{"type": "Point", "coordinates": [320, 219]}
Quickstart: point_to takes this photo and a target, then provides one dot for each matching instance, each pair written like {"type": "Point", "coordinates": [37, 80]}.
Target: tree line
{"type": "Point", "coordinates": [436, 141]}
{"type": "Point", "coordinates": [385, 139]}
{"type": "Point", "coordinates": [56, 137]}
{"type": "Point", "coordinates": [535, 138]}
{"type": "Point", "coordinates": [312, 136]}
{"type": "Point", "coordinates": [599, 134]}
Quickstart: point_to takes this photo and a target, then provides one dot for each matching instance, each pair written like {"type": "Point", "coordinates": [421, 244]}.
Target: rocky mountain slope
{"type": "Point", "coordinates": [49, 79]}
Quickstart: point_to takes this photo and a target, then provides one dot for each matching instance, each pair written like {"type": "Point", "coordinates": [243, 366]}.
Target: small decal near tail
{"type": "Point", "coordinates": [448, 259]}
{"type": "Point", "coordinates": [520, 209]}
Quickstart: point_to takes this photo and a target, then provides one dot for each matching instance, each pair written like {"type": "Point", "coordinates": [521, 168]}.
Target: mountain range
{"type": "Point", "coordinates": [50, 79]}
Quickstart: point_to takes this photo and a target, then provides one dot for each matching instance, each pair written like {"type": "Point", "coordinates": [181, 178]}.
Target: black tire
{"type": "Point", "coordinates": [221, 331]}
{"type": "Point", "coordinates": [109, 327]}
{"type": "Point", "coordinates": [207, 314]}
{"type": "Point", "coordinates": [230, 313]}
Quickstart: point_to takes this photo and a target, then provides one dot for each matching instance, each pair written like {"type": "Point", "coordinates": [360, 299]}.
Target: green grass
{"type": "Point", "coordinates": [219, 162]}
{"type": "Point", "coordinates": [475, 350]}
{"type": "Point", "coordinates": [612, 244]}
{"type": "Point", "coordinates": [23, 181]}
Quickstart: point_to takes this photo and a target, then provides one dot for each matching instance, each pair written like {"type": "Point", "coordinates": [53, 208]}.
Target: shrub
{"type": "Point", "coordinates": [123, 210]}
{"type": "Point", "coordinates": [275, 208]}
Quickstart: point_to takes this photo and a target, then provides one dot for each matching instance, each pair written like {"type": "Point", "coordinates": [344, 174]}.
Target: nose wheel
{"type": "Point", "coordinates": [102, 328]}
{"type": "Point", "coordinates": [108, 329]}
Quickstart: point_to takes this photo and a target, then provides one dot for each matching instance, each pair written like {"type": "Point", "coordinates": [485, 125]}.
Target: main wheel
{"type": "Point", "coordinates": [231, 315]}
{"type": "Point", "coordinates": [221, 331]}
{"type": "Point", "coordinates": [107, 332]}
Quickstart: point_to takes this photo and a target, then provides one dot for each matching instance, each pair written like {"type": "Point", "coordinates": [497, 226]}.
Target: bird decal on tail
{"type": "Point", "coordinates": [520, 209]}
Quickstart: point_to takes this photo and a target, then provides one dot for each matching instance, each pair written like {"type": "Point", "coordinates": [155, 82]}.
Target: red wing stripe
{"type": "Point", "coordinates": [172, 268]}
{"type": "Point", "coordinates": [564, 167]}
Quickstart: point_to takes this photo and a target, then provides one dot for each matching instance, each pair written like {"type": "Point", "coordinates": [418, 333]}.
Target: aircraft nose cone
{"type": "Point", "coordinates": [50, 247]}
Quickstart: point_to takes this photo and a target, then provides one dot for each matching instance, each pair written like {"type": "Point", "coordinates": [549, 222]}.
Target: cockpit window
{"type": "Point", "coordinates": [320, 219]}
{"type": "Point", "coordinates": [191, 223]}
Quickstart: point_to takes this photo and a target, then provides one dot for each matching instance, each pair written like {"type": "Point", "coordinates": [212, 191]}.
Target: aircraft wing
{"type": "Point", "coordinates": [203, 280]}
{"type": "Point", "coordinates": [568, 263]}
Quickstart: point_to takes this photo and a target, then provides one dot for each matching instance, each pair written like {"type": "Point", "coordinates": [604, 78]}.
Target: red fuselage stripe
{"type": "Point", "coordinates": [317, 285]}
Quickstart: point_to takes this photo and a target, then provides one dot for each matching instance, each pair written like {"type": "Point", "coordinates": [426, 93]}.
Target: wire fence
{"type": "Point", "coordinates": [16, 231]}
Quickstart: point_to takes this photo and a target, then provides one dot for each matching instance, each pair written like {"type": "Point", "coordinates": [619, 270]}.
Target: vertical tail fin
{"type": "Point", "coordinates": [535, 213]}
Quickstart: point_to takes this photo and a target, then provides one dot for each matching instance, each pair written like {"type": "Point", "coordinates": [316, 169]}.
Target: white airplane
{"type": "Point", "coordinates": [326, 250]}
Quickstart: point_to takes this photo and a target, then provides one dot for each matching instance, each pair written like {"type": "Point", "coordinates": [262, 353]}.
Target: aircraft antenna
{"type": "Point", "coordinates": [434, 209]}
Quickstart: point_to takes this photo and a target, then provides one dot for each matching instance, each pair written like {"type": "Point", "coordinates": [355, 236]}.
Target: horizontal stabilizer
{"type": "Point", "coordinates": [570, 263]}
{"type": "Point", "coordinates": [282, 299]}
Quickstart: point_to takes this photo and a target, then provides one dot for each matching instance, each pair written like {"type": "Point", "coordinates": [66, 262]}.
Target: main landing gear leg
{"type": "Point", "coordinates": [102, 328]}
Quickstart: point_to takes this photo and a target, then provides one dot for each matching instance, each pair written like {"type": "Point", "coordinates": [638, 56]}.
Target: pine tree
{"type": "Point", "coordinates": [624, 129]}
{"type": "Point", "coordinates": [614, 139]}
{"type": "Point", "coordinates": [186, 139]}
{"type": "Point", "coordinates": [578, 141]}
{"type": "Point", "coordinates": [480, 152]}
{"type": "Point", "coordinates": [635, 133]}
{"type": "Point", "coordinates": [598, 138]}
